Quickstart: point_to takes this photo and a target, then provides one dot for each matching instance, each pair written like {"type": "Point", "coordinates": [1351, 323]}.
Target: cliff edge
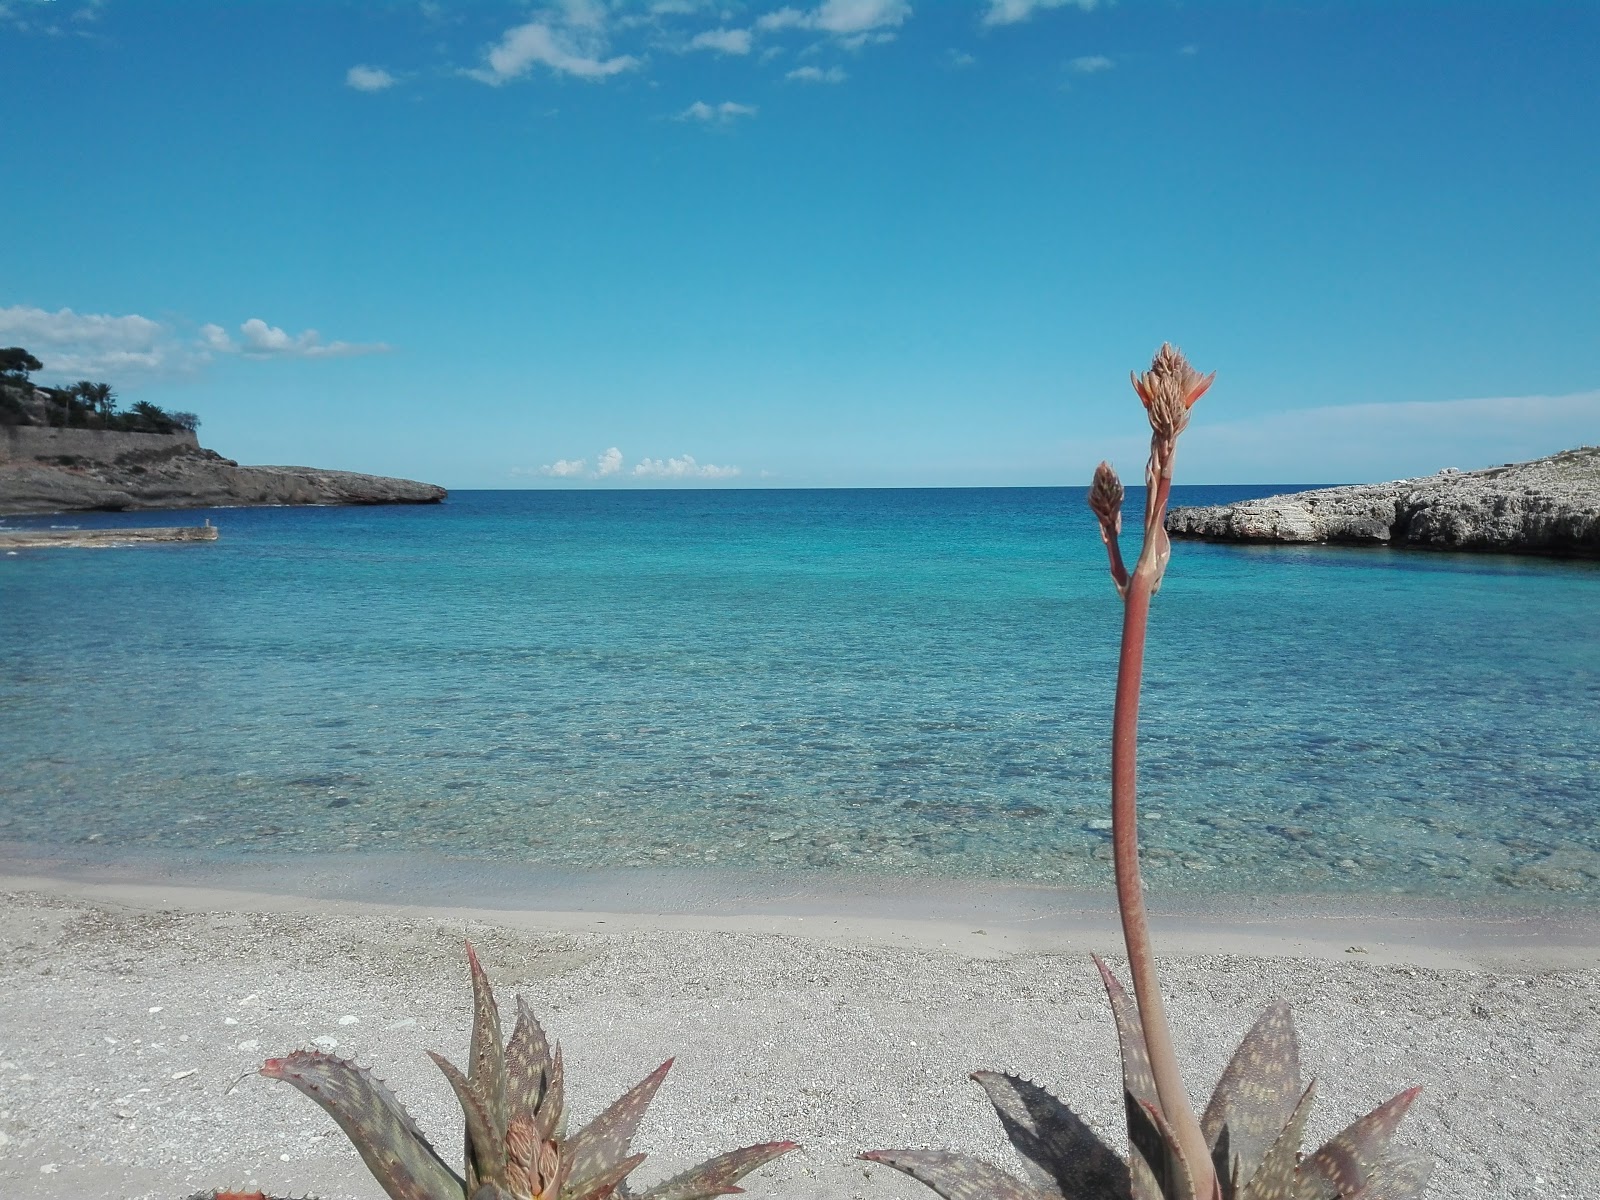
{"type": "Point", "coordinates": [45, 469]}
{"type": "Point", "coordinates": [1547, 506]}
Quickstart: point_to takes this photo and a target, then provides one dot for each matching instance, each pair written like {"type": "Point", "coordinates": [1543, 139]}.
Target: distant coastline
{"type": "Point", "coordinates": [1549, 506]}
{"type": "Point", "coordinates": [49, 470]}
{"type": "Point", "coordinates": [73, 449]}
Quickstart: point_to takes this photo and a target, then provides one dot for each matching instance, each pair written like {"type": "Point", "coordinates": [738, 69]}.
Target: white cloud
{"type": "Point", "coordinates": [1190, 49]}
{"type": "Point", "coordinates": [268, 341]}
{"type": "Point", "coordinates": [215, 337]}
{"type": "Point", "coordinates": [859, 16]}
{"type": "Point", "coordinates": [783, 18]}
{"type": "Point", "coordinates": [369, 79]}
{"type": "Point", "coordinates": [1361, 443]}
{"type": "Point", "coordinates": [608, 464]}
{"type": "Point", "coordinates": [723, 41]}
{"type": "Point", "coordinates": [1091, 64]}
{"type": "Point", "coordinates": [817, 75]}
{"type": "Point", "coordinates": [82, 345]}
{"type": "Point", "coordinates": [721, 113]}
{"type": "Point", "coordinates": [680, 468]}
{"type": "Point", "coordinates": [75, 345]}
{"type": "Point", "coordinates": [565, 468]}
{"type": "Point", "coordinates": [849, 20]}
{"type": "Point", "coordinates": [574, 43]}
{"type": "Point", "coordinates": [960, 58]}
{"type": "Point", "coordinates": [1011, 12]}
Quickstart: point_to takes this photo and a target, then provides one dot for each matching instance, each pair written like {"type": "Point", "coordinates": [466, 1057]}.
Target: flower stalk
{"type": "Point", "coordinates": [1168, 391]}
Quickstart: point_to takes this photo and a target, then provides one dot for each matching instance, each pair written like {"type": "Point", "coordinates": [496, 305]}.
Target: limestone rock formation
{"type": "Point", "coordinates": [64, 470]}
{"type": "Point", "coordinates": [1547, 506]}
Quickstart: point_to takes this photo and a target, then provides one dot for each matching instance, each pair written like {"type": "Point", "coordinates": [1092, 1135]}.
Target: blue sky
{"type": "Point", "coordinates": [855, 242]}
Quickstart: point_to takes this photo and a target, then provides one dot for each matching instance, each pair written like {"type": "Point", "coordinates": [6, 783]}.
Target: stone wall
{"type": "Point", "coordinates": [24, 443]}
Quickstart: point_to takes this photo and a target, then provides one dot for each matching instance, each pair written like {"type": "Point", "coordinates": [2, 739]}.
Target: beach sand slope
{"type": "Point", "coordinates": [126, 1023]}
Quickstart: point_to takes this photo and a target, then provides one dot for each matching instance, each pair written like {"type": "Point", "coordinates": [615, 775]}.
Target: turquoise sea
{"type": "Point", "coordinates": [899, 682]}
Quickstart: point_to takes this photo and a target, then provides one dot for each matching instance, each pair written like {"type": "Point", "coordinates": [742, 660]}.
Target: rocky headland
{"type": "Point", "coordinates": [1547, 506]}
{"type": "Point", "coordinates": [47, 469]}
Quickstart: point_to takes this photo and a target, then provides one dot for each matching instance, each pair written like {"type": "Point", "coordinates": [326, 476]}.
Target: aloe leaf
{"type": "Point", "coordinates": [718, 1176]}
{"type": "Point", "coordinates": [376, 1123]}
{"type": "Point", "coordinates": [956, 1176]}
{"type": "Point", "coordinates": [551, 1119]}
{"type": "Point", "coordinates": [1151, 1140]}
{"type": "Point", "coordinates": [486, 1061]}
{"type": "Point", "coordinates": [605, 1139]}
{"type": "Point", "coordinates": [527, 1063]}
{"type": "Point", "coordinates": [1274, 1179]}
{"type": "Point", "coordinates": [597, 1187]}
{"type": "Point", "coordinates": [486, 1146]}
{"type": "Point", "coordinates": [1061, 1152]}
{"type": "Point", "coordinates": [1257, 1094]}
{"type": "Point", "coordinates": [1398, 1177]}
{"type": "Point", "coordinates": [1137, 1078]}
{"type": "Point", "coordinates": [1344, 1163]}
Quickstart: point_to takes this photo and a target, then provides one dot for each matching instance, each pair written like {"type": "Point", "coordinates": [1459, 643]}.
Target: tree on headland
{"type": "Point", "coordinates": [18, 363]}
{"type": "Point", "coordinates": [84, 405]}
{"type": "Point", "coordinates": [99, 397]}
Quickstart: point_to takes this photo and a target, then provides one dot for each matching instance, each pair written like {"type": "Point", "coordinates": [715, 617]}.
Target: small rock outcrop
{"type": "Point", "coordinates": [45, 470]}
{"type": "Point", "coordinates": [1547, 506]}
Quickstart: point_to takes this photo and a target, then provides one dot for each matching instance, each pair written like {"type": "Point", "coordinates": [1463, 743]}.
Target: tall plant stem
{"type": "Point", "coordinates": [1175, 1104]}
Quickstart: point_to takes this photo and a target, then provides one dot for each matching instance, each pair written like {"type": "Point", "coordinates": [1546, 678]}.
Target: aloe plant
{"type": "Point", "coordinates": [1246, 1144]}
{"type": "Point", "coordinates": [513, 1095]}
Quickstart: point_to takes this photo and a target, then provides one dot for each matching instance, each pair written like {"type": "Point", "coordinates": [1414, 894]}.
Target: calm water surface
{"type": "Point", "coordinates": [896, 682]}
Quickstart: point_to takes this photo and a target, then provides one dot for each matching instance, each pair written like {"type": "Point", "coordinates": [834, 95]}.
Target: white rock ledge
{"type": "Point", "coordinates": [1547, 506]}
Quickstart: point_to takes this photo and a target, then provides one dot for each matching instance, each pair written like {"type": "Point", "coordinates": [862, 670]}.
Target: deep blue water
{"type": "Point", "coordinates": [905, 682]}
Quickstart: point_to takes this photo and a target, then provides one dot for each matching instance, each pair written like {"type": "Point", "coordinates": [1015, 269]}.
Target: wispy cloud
{"type": "Point", "coordinates": [681, 468]}
{"type": "Point", "coordinates": [817, 75]}
{"type": "Point", "coordinates": [845, 19]}
{"type": "Point", "coordinates": [369, 79]}
{"type": "Point", "coordinates": [609, 464]}
{"type": "Point", "coordinates": [566, 468]}
{"type": "Point", "coordinates": [571, 40]}
{"type": "Point", "coordinates": [723, 41]}
{"type": "Point", "coordinates": [1090, 64]}
{"type": "Point", "coordinates": [260, 340]}
{"type": "Point", "coordinates": [720, 114]}
{"type": "Point", "coordinates": [1012, 12]}
{"type": "Point", "coordinates": [82, 344]}
{"type": "Point", "coordinates": [1359, 443]}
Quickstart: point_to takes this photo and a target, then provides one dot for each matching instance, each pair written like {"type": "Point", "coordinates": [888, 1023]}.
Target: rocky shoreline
{"type": "Point", "coordinates": [1549, 506]}
{"type": "Point", "coordinates": [81, 470]}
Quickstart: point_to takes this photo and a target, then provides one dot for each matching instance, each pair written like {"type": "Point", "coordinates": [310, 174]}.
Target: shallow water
{"type": "Point", "coordinates": [900, 682]}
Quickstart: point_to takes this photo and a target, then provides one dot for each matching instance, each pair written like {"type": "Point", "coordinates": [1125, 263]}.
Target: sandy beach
{"type": "Point", "coordinates": [133, 1006]}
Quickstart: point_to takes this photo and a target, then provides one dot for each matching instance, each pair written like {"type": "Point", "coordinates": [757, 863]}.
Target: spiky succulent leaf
{"type": "Point", "coordinates": [551, 1119]}
{"type": "Point", "coordinates": [486, 1145]}
{"type": "Point", "coordinates": [1398, 1177]}
{"type": "Point", "coordinates": [718, 1176]}
{"type": "Point", "coordinates": [1061, 1152]}
{"type": "Point", "coordinates": [1344, 1163]}
{"type": "Point", "coordinates": [486, 1058]}
{"type": "Point", "coordinates": [956, 1176]}
{"type": "Point", "coordinates": [1256, 1096]}
{"type": "Point", "coordinates": [376, 1123]}
{"type": "Point", "coordinates": [1145, 1175]}
{"type": "Point", "coordinates": [605, 1139]}
{"type": "Point", "coordinates": [600, 1185]}
{"type": "Point", "coordinates": [1151, 1139]}
{"type": "Point", "coordinates": [1137, 1078]}
{"type": "Point", "coordinates": [527, 1063]}
{"type": "Point", "coordinates": [1274, 1179]}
